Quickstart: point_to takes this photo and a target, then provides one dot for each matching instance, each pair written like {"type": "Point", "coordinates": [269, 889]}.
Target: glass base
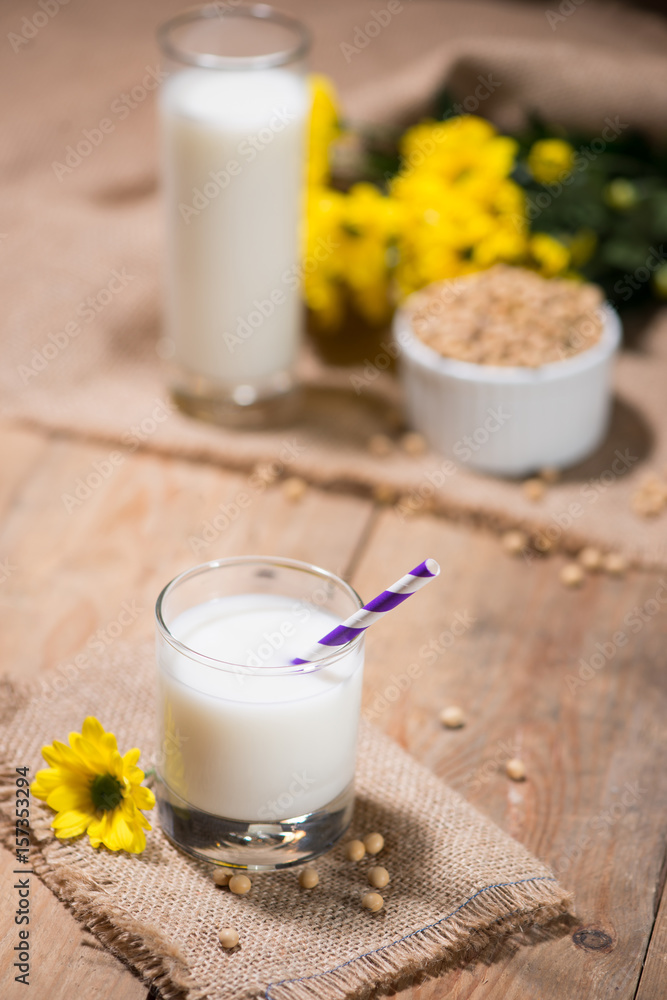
{"type": "Point", "coordinates": [262, 846]}
{"type": "Point", "coordinates": [272, 402]}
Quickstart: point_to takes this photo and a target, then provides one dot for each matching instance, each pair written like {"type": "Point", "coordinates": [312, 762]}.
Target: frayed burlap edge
{"type": "Point", "coordinates": [530, 902]}
{"type": "Point", "coordinates": [536, 902]}
{"type": "Point", "coordinates": [467, 511]}
{"type": "Point", "coordinates": [140, 945]}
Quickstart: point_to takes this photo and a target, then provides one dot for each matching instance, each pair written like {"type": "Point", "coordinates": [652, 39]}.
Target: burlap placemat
{"type": "Point", "coordinates": [81, 249]}
{"type": "Point", "coordinates": [458, 882]}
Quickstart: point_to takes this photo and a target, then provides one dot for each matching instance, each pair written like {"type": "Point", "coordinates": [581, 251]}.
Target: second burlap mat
{"type": "Point", "coordinates": [458, 883]}
{"type": "Point", "coordinates": [124, 401]}
{"type": "Point", "coordinates": [95, 236]}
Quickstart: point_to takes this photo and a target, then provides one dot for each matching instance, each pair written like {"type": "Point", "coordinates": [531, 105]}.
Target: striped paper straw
{"type": "Point", "coordinates": [375, 609]}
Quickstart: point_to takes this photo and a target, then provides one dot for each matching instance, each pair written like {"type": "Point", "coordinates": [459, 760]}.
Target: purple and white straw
{"type": "Point", "coordinates": [375, 609]}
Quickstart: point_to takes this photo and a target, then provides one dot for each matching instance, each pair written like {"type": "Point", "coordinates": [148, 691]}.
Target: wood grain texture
{"type": "Point", "coordinates": [594, 803]}
{"type": "Point", "coordinates": [149, 520]}
{"type": "Point", "coordinates": [72, 573]}
{"type": "Point", "coordinates": [507, 637]}
{"type": "Point", "coordinates": [653, 982]}
{"type": "Point", "coordinates": [66, 962]}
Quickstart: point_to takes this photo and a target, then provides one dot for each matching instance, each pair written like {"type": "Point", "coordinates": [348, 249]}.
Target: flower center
{"type": "Point", "coordinates": [106, 791]}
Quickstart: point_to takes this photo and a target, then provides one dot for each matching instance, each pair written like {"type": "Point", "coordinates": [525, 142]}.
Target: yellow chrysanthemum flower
{"type": "Point", "coordinates": [451, 209]}
{"type": "Point", "coordinates": [323, 127]}
{"type": "Point", "coordinates": [95, 790]}
{"type": "Point", "coordinates": [550, 160]}
{"type": "Point", "coordinates": [621, 194]}
{"type": "Point", "coordinates": [550, 255]}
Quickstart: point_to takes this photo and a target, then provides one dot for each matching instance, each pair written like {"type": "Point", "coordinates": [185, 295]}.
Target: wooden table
{"type": "Point", "coordinates": [595, 802]}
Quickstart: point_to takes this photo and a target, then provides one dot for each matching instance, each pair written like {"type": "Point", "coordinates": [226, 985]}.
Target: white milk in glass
{"type": "Point", "coordinates": [234, 151]}
{"type": "Point", "coordinates": [264, 745]}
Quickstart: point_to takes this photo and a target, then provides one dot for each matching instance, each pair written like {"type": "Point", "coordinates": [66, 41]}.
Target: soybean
{"type": "Point", "coordinates": [372, 901]}
{"type": "Point", "coordinates": [355, 850]}
{"type": "Point", "coordinates": [240, 884]}
{"type": "Point", "coordinates": [308, 878]}
{"type": "Point", "coordinates": [373, 842]}
{"type": "Point", "coordinates": [378, 877]}
{"type": "Point", "coordinates": [228, 937]}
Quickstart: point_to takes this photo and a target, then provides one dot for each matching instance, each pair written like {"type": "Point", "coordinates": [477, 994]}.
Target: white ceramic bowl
{"type": "Point", "coordinates": [510, 421]}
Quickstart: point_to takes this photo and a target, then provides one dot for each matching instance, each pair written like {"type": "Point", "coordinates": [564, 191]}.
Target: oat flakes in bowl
{"type": "Point", "coordinates": [506, 371]}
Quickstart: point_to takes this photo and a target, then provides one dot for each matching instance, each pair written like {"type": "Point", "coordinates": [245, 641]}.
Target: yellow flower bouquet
{"type": "Point", "coordinates": [451, 209]}
{"type": "Point", "coordinates": [460, 197]}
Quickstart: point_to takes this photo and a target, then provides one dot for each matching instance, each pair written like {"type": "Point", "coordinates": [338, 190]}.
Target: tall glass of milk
{"type": "Point", "coordinates": [233, 111]}
{"type": "Point", "coordinates": [256, 758]}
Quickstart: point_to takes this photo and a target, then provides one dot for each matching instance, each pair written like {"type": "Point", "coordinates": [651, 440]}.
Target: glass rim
{"type": "Point", "coordinates": [239, 668]}
{"type": "Point", "coordinates": [258, 11]}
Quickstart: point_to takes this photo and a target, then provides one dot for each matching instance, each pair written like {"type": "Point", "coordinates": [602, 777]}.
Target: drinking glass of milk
{"type": "Point", "coordinates": [257, 754]}
{"type": "Point", "coordinates": [234, 110]}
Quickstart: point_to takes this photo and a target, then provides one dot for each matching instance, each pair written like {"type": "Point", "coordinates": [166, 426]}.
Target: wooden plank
{"type": "Point", "coordinates": [21, 450]}
{"type": "Point", "coordinates": [653, 982]}
{"type": "Point", "coordinates": [145, 522]}
{"type": "Point", "coordinates": [66, 962]}
{"type": "Point", "coordinates": [596, 787]}
{"type": "Point", "coordinates": [77, 565]}
{"type": "Point", "coordinates": [508, 669]}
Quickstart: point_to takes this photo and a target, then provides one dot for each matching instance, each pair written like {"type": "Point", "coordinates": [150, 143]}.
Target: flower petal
{"type": "Point", "coordinates": [71, 823]}
{"type": "Point", "coordinates": [101, 831]}
{"type": "Point", "coordinates": [116, 766]}
{"type": "Point", "coordinates": [92, 729]}
{"type": "Point", "coordinates": [134, 775]}
{"type": "Point", "coordinates": [124, 830]}
{"type": "Point", "coordinates": [135, 821]}
{"type": "Point", "coordinates": [70, 796]}
{"type": "Point", "coordinates": [142, 797]}
{"type": "Point", "coordinates": [60, 755]}
{"type": "Point", "coordinates": [99, 743]}
{"type": "Point", "coordinates": [131, 758]}
{"type": "Point", "coordinates": [45, 781]}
